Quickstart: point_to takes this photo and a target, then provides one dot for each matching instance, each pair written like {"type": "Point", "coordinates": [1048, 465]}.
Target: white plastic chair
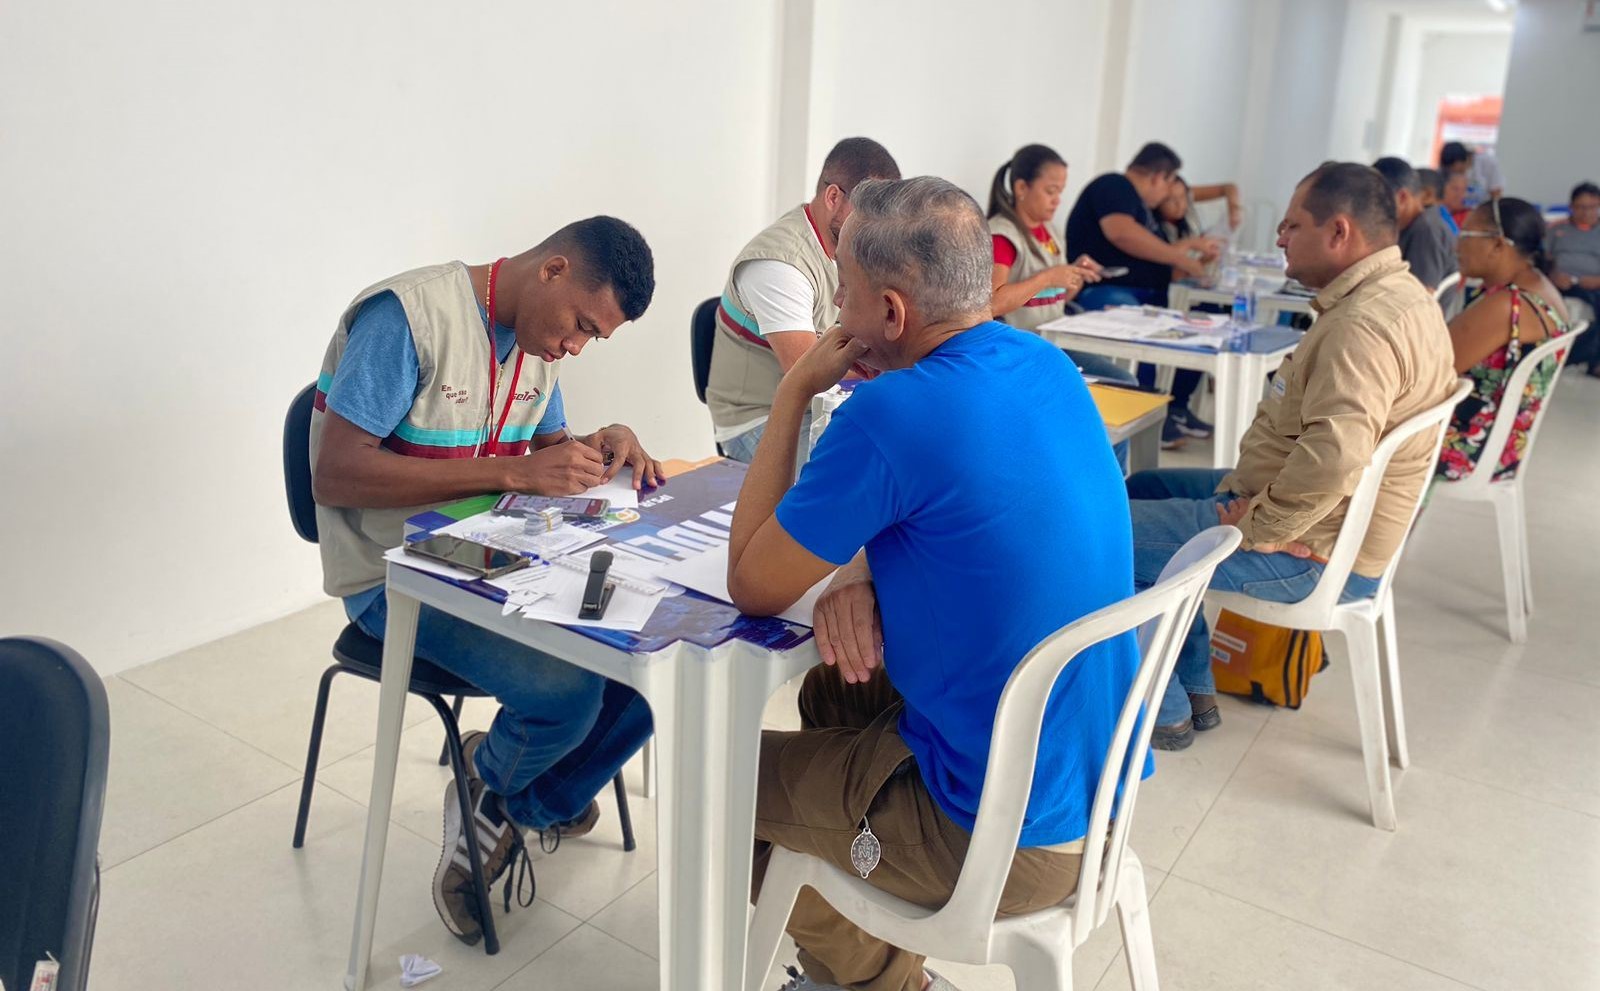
{"type": "Point", "coordinates": [1505, 495]}
{"type": "Point", "coordinates": [1365, 628]}
{"type": "Point", "coordinates": [1450, 294]}
{"type": "Point", "coordinates": [1580, 311]}
{"type": "Point", "coordinates": [1037, 947]}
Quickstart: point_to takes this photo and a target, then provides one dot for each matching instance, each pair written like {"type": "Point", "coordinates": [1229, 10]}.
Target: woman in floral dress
{"type": "Point", "coordinates": [1501, 243]}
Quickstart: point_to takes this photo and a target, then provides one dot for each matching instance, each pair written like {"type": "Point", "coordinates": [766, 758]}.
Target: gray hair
{"type": "Point", "coordinates": [928, 238]}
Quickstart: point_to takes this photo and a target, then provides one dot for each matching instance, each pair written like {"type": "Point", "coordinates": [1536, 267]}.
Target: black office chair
{"type": "Point", "coordinates": [354, 652]}
{"type": "Point", "coordinates": [702, 331]}
{"type": "Point", "coordinates": [55, 735]}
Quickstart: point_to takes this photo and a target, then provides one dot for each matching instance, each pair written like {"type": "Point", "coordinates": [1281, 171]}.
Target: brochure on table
{"type": "Point", "coordinates": [1150, 325]}
{"type": "Point", "coordinates": [1209, 333]}
{"type": "Point", "coordinates": [684, 518]}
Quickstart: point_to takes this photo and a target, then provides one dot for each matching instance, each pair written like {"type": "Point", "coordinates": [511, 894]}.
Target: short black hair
{"type": "Point", "coordinates": [1357, 191]}
{"type": "Point", "coordinates": [609, 252]}
{"type": "Point", "coordinates": [1453, 153]}
{"type": "Point", "coordinates": [1584, 189]}
{"type": "Point", "coordinates": [1432, 181]}
{"type": "Point", "coordinates": [1157, 158]}
{"type": "Point", "coordinates": [1399, 174]}
{"type": "Point", "coordinates": [853, 160]}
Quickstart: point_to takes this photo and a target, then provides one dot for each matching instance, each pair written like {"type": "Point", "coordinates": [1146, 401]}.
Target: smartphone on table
{"type": "Point", "coordinates": [573, 507]}
{"type": "Point", "coordinates": [468, 555]}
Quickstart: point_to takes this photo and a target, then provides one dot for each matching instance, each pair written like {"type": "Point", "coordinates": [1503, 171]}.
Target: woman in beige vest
{"type": "Point", "coordinates": [1033, 282]}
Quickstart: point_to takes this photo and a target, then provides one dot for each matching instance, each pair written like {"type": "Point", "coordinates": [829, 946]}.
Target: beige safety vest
{"type": "Point", "coordinates": [744, 371]}
{"type": "Point", "coordinates": [448, 419]}
{"type": "Point", "coordinates": [1032, 258]}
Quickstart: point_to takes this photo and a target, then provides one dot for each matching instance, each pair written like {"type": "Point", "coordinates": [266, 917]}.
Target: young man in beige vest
{"type": "Point", "coordinates": [779, 297]}
{"type": "Point", "coordinates": [1378, 355]}
{"type": "Point", "coordinates": [440, 384]}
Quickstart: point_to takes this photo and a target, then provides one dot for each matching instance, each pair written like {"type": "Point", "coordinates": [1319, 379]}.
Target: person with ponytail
{"type": "Point", "coordinates": [1033, 282]}
{"type": "Point", "coordinates": [1032, 279]}
{"type": "Point", "coordinates": [1502, 243]}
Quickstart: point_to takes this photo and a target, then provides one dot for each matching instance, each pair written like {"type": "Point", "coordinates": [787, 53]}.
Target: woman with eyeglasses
{"type": "Point", "coordinates": [1502, 243]}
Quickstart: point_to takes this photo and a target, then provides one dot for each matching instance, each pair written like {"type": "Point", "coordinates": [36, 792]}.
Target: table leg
{"type": "Point", "coordinates": [1144, 449]}
{"type": "Point", "coordinates": [399, 648]}
{"type": "Point", "coordinates": [1226, 430]}
{"type": "Point", "coordinates": [708, 727]}
{"type": "Point", "coordinates": [1252, 377]}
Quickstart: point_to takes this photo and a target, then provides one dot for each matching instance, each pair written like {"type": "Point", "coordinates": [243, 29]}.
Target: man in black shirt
{"type": "Point", "coordinates": [1113, 223]}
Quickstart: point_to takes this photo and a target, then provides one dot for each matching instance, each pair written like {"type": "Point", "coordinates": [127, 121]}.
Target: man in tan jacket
{"type": "Point", "coordinates": [1378, 355]}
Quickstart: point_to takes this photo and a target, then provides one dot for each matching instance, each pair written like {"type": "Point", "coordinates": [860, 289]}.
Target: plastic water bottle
{"type": "Point", "coordinates": [1244, 301]}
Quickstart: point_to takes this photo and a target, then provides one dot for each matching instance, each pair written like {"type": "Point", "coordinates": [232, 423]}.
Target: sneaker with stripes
{"type": "Point", "coordinates": [497, 836]}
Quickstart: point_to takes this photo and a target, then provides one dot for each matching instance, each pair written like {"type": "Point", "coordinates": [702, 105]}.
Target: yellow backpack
{"type": "Point", "coordinates": [1262, 662]}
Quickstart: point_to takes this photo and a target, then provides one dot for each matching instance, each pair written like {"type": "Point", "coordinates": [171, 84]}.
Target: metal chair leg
{"type": "Point", "coordinates": [444, 749]}
{"type": "Point", "coordinates": [623, 815]}
{"type": "Point", "coordinates": [458, 763]}
{"type": "Point", "coordinates": [310, 779]}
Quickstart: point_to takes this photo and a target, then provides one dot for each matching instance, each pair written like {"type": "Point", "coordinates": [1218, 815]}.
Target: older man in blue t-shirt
{"type": "Point", "coordinates": [957, 551]}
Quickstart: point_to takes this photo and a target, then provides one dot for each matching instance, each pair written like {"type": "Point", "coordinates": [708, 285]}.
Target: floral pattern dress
{"type": "Point", "coordinates": [1474, 417]}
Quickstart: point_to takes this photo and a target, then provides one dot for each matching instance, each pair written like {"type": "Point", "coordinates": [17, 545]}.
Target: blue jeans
{"type": "Point", "coordinates": [1170, 506]}
{"type": "Point", "coordinates": [561, 733]}
{"type": "Point", "coordinates": [743, 446]}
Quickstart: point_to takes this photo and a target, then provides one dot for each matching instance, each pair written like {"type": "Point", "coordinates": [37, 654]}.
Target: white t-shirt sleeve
{"type": "Point", "coordinates": [1489, 168]}
{"type": "Point", "coordinates": [777, 294]}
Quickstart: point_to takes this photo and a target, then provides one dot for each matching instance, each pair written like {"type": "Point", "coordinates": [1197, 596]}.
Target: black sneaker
{"type": "Point", "coordinates": [453, 894]}
{"type": "Point", "coordinates": [1189, 424]}
{"type": "Point", "coordinates": [1172, 435]}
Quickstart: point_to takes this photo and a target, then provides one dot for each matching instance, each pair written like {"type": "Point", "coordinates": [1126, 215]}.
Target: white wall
{"type": "Point", "coordinates": [1452, 64]}
{"type": "Point", "coordinates": [190, 193]}
{"type": "Point", "coordinates": [1399, 57]}
{"type": "Point", "coordinates": [1548, 137]}
{"type": "Point", "coordinates": [1287, 132]}
{"type": "Point", "coordinates": [948, 95]}
{"type": "Point", "coordinates": [1188, 80]}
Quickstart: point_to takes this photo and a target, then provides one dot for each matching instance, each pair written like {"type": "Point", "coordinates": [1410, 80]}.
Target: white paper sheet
{"type": "Point", "coordinates": [619, 490]}
{"type": "Point", "coordinates": [708, 574]}
{"type": "Point", "coordinates": [638, 570]}
{"type": "Point", "coordinates": [628, 610]}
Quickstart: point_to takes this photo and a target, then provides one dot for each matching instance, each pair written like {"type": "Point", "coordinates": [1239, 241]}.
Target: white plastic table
{"type": "Point", "coordinates": [1239, 375]}
{"type": "Point", "coordinates": [1183, 296]}
{"type": "Point", "coordinates": [707, 698]}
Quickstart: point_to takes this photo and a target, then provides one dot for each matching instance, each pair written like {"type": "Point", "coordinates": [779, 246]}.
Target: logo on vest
{"type": "Point", "coordinates": [531, 395]}
{"type": "Point", "coordinates": [457, 396]}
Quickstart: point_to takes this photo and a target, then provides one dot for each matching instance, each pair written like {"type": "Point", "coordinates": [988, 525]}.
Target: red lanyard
{"type": "Point", "coordinates": [516, 373]}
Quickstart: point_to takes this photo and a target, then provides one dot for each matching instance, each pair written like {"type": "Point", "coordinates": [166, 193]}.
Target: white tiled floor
{"type": "Point", "coordinates": [1263, 870]}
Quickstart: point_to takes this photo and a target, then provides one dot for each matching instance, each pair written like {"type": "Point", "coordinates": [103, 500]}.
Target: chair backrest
{"type": "Point", "coordinates": [55, 736]}
{"type": "Point", "coordinates": [1162, 614]}
{"type": "Point", "coordinates": [1353, 532]}
{"type": "Point", "coordinates": [702, 331]}
{"type": "Point", "coordinates": [297, 464]}
{"type": "Point", "coordinates": [1450, 294]}
{"type": "Point", "coordinates": [1260, 225]}
{"type": "Point", "coordinates": [1494, 445]}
